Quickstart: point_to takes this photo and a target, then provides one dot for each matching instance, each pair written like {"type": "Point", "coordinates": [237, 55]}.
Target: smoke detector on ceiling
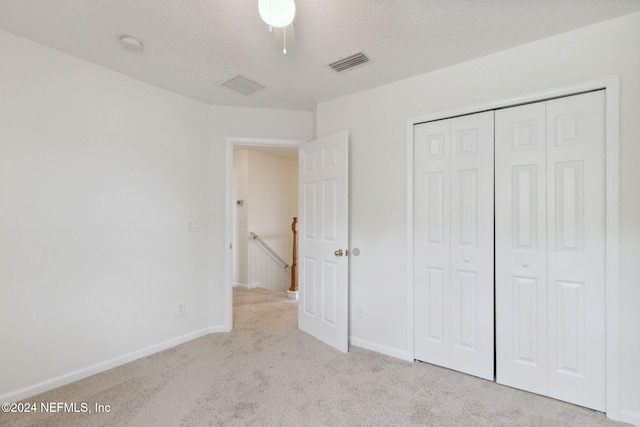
{"type": "Point", "coordinates": [349, 62]}
{"type": "Point", "coordinates": [131, 43]}
{"type": "Point", "coordinates": [242, 85]}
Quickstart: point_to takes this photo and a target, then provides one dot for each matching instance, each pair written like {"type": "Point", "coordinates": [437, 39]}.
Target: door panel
{"type": "Point", "coordinates": [435, 311]}
{"type": "Point", "coordinates": [576, 248]}
{"type": "Point", "coordinates": [330, 294]}
{"type": "Point", "coordinates": [453, 214]}
{"type": "Point", "coordinates": [570, 319]}
{"type": "Point", "coordinates": [524, 180]}
{"type": "Point", "coordinates": [467, 203]}
{"type": "Point", "coordinates": [521, 265]}
{"type": "Point", "coordinates": [435, 188]}
{"type": "Point", "coordinates": [432, 243]}
{"type": "Point", "coordinates": [569, 190]}
{"type": "Point", "coordinates": [525, 321]}
{"type": "Point", "coordinates": [323, 214]}
{"type": "Point", "coordinates": [472, 244]}
{"type": "Point", "coordinates": [550, 240]}
{"type": "Point", "coordinates": [466, 298]}
{"type": "Point", "coordinates": [308, 276]}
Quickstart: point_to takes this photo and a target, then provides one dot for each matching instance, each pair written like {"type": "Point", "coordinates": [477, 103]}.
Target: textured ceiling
{"type": "Point", "coordinates": [192, 45]}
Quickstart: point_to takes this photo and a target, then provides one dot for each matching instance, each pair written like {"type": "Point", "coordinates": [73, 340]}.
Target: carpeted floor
{"type": "Point", "coordinates": [268, 373]}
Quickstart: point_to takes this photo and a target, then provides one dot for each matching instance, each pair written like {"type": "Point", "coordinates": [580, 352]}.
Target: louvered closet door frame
{"type": "Point", "coordinates": [611, 86]}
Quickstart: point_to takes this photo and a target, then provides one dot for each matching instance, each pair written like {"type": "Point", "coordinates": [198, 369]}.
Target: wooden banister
{"type": "Point", "coordinates": [294, 264]}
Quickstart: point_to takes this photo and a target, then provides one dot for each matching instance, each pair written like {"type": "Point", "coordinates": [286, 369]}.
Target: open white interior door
{"type": "Point", "coordinates": [323, 239]}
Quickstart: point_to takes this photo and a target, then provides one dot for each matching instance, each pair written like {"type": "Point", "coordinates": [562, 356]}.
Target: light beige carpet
{"type": "Point", "coordinates": [268, 373]}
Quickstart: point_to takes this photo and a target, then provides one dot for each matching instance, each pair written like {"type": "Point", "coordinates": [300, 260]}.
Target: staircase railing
{"type": "Point", "coordinates": [272, 254]}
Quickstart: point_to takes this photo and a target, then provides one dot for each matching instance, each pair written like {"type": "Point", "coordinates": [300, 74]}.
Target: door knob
{"type": "Point", "coordinates": [465, 259]}
{"type": "Point", "coordinates": [525, 264]}
{"type": "Point", "coordinates": [338, 252]}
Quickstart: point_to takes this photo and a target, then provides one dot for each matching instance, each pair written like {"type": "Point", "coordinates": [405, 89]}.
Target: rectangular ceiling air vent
{"type": "Point", "coordinates": [242, 85]}
{"type": "Point", "coordinates": [349, 62]}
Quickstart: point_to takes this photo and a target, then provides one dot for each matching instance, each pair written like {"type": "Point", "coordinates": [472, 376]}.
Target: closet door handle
{"type": "Point", "coordinates": [465, 259]}
{"type": "Point", "coordinates": [525, 264]}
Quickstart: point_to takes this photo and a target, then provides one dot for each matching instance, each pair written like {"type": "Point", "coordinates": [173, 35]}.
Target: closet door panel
{"type": "Point", "coordinates": [472, 308]}
{"type": "Point", "coordinates": [521, 285]}
{"type": "Point", "coordinates": [576, 248]}
{"type": "Point", "coordinates": [432, 242]}
{"type": "Point", "coordinates": [453, 243]}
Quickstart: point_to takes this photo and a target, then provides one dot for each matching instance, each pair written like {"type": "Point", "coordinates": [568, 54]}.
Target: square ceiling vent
{"type": "Point", "coordinates": [243, 85]}
{"type": "Point", "coordinates": [349, 62]}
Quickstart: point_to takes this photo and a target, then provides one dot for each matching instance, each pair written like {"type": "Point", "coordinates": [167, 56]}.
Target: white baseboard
{"type": "Point", "coordinates": [245, 286]}
{"type": "Point", "coordinates": [378, 348]}
{"type": "Point", "coordinates": [628, 417]}
{"type": "Point", "coordinates": [88, 371]}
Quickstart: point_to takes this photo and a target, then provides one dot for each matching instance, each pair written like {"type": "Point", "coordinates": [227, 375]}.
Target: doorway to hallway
{"type": "Point", "coordinates": [261, 199]}
{"type": "Point", "coordinates": [265, 202]}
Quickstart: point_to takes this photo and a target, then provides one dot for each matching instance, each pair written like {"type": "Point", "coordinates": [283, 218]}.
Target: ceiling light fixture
{"type": "Point", "coordinates": [277, 13]}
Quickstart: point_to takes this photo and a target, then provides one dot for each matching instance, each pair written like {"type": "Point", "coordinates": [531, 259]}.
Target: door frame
{"type": "Point", "coordinates": [612, 212]}
{"type": "Point", "coordinates": [230, 143]}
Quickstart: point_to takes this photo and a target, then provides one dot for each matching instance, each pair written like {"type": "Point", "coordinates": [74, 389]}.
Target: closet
{"type": "Point", "coordinates": [539, 168]}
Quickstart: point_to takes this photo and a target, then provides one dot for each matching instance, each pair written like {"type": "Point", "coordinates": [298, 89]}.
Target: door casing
{"type": "Point", "coordinates": [612, 212]}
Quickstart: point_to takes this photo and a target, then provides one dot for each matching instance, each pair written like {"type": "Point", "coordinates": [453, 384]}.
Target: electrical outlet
{"type": "Point", "coordinates": [359, 311]}
{"type": "Point", "coordinates": [180, 311]}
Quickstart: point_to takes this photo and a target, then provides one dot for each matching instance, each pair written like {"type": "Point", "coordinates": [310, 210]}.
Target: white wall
{"type": "Point", "coordinates": [273, 200]}
{"type": "Point", "coordinates": [99, 174]}
{"type": "Point", "coordinates": [376, 121]}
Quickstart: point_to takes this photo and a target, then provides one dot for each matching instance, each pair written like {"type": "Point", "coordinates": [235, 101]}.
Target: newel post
{"type": "Point", "coordinates": [294, 264]}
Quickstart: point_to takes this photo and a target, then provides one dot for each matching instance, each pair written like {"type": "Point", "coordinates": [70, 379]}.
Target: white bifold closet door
{"type": "Point", "coordinates": [550, 248]}
{"type": "Point", "coordinates": [453, 244]}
